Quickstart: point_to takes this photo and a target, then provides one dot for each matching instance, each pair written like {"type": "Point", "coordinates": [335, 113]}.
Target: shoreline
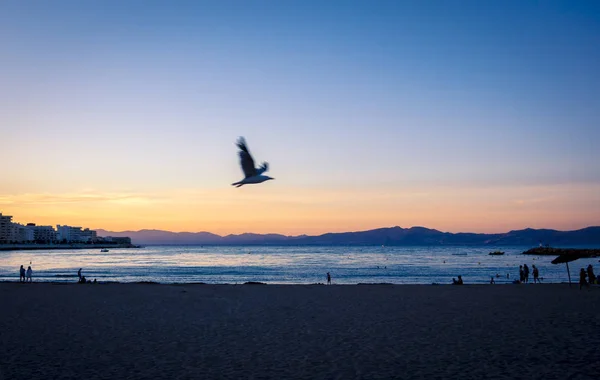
{"type": "Point", "coordinates": [274, 284]}
{"type": "Point", "coordinates": [36, 247]}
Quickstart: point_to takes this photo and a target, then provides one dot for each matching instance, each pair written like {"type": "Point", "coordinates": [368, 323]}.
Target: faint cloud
{"type": "Point", "coordinates": [533, 201]}
{"type": "Point", "coordinates": [87, 197]}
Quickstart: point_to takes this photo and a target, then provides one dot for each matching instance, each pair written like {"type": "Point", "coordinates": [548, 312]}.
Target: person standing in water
{"type": "Point", "coordinates": [29, 274]}
{"type": "Point", "coordinates": [328, 278]}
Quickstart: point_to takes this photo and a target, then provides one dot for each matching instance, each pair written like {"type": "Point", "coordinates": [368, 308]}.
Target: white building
{"type": "Point", "coordinates": [14, 232]}
{"type": "Point", "coordinates": [23, 234]}
{"type": "Point", "coordinates": [26, 233]}
{"type": "Point", "coordinates": [65, 233]}
{"type": "Point", "coordinates": [42, 233]}
{"type": "Point", "coordinates": [74, 234]}
{"type": "Point", "coordinates": [88, 235]}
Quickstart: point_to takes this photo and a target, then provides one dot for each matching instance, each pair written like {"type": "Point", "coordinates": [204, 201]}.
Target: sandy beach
{"type": "Point", "coordinates": [147, 331]}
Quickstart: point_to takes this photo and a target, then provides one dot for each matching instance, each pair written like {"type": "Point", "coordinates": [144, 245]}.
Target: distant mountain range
{"type": "Point", "coordinates": [380, 236]}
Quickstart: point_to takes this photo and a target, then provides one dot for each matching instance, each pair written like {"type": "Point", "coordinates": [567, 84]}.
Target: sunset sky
{"type": "Point", "coordinates": [478, 116]}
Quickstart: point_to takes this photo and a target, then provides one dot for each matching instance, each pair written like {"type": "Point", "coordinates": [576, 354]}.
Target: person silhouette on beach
{"type": "Point", "coordinates": [29, 273]}
{"type": "Point", "coordinates": [79, 274]}
{"type": "Point", "coordinates": [22, 274]}
{"type": "Point", "coordinates": [457, 282]}
{"type": "Point", "coordinates": [591, 275]}
{"type": "Point", "coordinates": [536, 274]}
{"type": "Point", "coordinates": [328, 278]}
{"type": "Point", "coordinates": [582, 280]}
{"type": "Point", "coordinates": [521, 274]}
{"type": "Point", "coordinates": [492, 280]}
{"type": "Point", "coordinates": [526, 273]}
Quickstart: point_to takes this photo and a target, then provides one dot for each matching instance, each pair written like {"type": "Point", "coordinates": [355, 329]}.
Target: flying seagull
{"type": "Point", "coordinates": [251, 174]}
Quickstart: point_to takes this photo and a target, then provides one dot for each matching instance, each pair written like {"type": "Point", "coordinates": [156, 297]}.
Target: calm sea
{"type": "Point", "coordinates": [285, 265]}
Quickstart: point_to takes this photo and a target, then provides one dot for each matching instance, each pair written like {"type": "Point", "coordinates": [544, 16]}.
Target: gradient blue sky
{"type": "Point", "coordinates": [144, 100]}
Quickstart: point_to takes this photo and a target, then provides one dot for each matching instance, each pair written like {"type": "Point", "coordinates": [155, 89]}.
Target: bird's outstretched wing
{"type": "Point", "coordinates": [262, 168]}
{"type": "Point", "coordinates": [246, 160]}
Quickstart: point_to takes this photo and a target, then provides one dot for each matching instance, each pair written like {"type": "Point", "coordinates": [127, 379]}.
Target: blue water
{"type": "Point", "coordinates": [284, 265]}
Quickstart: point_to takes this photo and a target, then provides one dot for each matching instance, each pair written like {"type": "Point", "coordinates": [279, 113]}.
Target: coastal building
{"type": "Point", "coordinates": [11, 232]}
{"type": "Point", "coordinates": [26, 233]}
{"type": "Point", "coordinates": [75, 234]}
{"type": "Point", "coordinates": [6, 229]}
{"type": "Point", "coordinates": [88, 235]}
{"type": "Point", "coordinates": [22, 233]}
{"type": "Point", "coordinates": [67, 233]}
{"type": "Point", "coordinates": [17, 233]}
{"type": "Point", "coordinates": [14, 233]}
{"type": "Point", "coordinates": [45, 234]}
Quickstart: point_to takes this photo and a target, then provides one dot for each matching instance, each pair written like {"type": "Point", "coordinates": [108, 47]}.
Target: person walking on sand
{"type": "Point", "coordinates": [21, 274]}
{"type": "Point", "coordinates": [591, 275]}
{"type": "Point", "coordinates": [582, 281]}
{"type": "Point", "coordinates": [328, 278]}
{"type": "Point", "coordinates": [29, 273]}
{"type": "Point", "coordinates": [526, 273]}
{"type": "Point", "coordinates": [521, 274]}
{"type": "Point", "coordinates": [536, 274]}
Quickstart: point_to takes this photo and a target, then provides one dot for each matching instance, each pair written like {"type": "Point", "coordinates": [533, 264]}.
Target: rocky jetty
{"type": "Point", "coordinates": [548, 251]}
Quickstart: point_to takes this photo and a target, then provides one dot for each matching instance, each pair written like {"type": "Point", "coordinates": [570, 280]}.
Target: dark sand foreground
{"type": "Point", "coordinates": [144, 331]}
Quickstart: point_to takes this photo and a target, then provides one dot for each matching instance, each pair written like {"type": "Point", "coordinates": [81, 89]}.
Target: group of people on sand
{"type": "Point", "coordinates": [524, 274]}
{"type": "Point", "coordinates": [457, 282]}
{"type": "Point", "coordinates": [25, 275]}
{"type": "Point", "coordinates": [587, 275]}
{"type": "Point", "coordinates": [82, 279]}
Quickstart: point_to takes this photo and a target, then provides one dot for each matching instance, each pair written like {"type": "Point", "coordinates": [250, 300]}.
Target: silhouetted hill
{"type": "Point", "coordinates": [254, 238]}
{"type": "Point", "coordinates": [165, 237]}
{"type": "Point", "coordinates": [381, 236]}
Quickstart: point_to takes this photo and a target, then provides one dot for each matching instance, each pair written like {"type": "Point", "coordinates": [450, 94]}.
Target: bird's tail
{"type": "Point", "coordinates": [237, 184]}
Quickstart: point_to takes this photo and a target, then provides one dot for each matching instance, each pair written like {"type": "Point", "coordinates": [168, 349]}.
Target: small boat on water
{"type": "Point", "coordinates": [496, 253]}
{"type": "Point", "coordinates": [104, 250]}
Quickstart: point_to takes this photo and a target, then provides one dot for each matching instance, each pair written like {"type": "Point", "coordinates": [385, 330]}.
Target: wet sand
{"type": "Point", "coordinates": [146, 331]}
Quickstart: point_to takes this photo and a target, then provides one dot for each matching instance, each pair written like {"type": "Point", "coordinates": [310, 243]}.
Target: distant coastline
{"type": "Point", "coordinates": [34, 247]}
{"type": "Point", "coordinates": [392, 236]}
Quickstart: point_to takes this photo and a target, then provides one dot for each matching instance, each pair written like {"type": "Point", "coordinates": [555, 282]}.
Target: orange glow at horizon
{"type": "Point", "coordinates": [311, 211]}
